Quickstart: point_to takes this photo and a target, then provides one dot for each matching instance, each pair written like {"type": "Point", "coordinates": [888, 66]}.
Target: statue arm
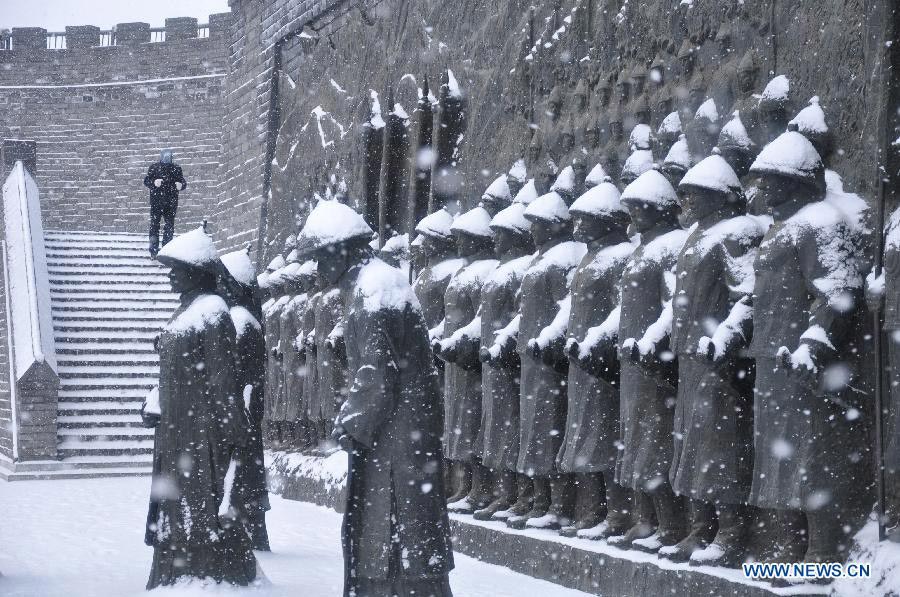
{"type": "Point", "coordinates": [598, 347]}
{"type": "Point", "coordinates": [549, 344]}
{"type": "Point", "coordinates": [656, 336]}
{"type": "Point", "coordinates": [374, 386]}
{"type": "Point", "coordinates": [736, 330]}
{"type": "Point", "coordinates": [464, 343]}
{"type": "Point", "coordinates": [828, 264]}
{"type": "Point", "coordinates": [503, 348]}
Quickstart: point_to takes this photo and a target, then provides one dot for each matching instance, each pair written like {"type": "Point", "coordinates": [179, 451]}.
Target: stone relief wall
{"type": "Point", "coordinates": [569, 80]}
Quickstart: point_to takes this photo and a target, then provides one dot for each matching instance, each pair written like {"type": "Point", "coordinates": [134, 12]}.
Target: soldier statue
{"type": "Point", "coordinates": [648, 377]}
{"type": "Point", "coordinates": [590, 444]}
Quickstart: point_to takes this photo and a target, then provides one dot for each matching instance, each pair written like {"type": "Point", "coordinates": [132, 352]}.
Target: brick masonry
{"type": "Point", "coordinates": [100, 115]}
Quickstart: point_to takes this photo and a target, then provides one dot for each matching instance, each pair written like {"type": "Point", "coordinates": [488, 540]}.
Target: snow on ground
{"type": "Point", "coordinates": [84, 537]}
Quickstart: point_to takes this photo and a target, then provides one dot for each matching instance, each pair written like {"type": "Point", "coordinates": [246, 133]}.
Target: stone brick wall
{"type": "Point", "coordinates": [100, 115]}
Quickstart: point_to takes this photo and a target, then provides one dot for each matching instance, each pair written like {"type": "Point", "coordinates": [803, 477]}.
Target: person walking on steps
{"type": "Point", "coordinates": [165, 180]}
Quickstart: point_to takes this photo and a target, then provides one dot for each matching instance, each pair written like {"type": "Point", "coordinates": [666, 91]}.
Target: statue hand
{"type": "Point", "coordinates": [534, 348]}
{"type": "Point", "coordinates": [484, 355]}
{"type": "Point", "coordinates": [573, 349]}
{"type": "Point", "coordinates": [450, 354]}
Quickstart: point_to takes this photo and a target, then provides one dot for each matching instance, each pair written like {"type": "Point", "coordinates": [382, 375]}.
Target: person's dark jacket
{"type": "Point", "coordinates": [170, 174]}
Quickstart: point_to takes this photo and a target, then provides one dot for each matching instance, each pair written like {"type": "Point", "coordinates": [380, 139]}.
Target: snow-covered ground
{"type": "Point", "coordinates": [80, 538]}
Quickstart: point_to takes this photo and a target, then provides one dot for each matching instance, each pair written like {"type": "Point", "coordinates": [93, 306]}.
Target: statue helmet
{"type": "Point", "coordinates": [193, 249]}
{"type": "Point", "coordinates": [331, 223]}
{"type": "Point", "coordinates": [792, 155]}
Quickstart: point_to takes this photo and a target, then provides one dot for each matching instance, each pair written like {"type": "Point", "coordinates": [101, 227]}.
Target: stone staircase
{"type": "Point", "coordinates": [109, 301]}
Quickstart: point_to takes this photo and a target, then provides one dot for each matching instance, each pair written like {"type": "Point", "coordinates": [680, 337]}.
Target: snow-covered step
{"type": "Point", "coordinates": [98, 407]}
{"type": "Point", "coordinates": [92, 371]}
{"type": "Point", "coordinates": [98, 358]}
{"type": "Point", "coordinates": [91, 420]}
{"type": "Point", "coordinates": [101, 298]}
{"type": "Point", "coordinates": [109, 301]}
{"type": "Point", "coordinates": [85, 267]}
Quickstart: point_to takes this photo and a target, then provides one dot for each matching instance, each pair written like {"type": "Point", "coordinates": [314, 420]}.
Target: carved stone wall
{"type": "Point", "coordinates": [550, 71]}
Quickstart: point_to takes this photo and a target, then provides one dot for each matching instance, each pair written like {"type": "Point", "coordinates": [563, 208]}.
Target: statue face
{"type": "Point", "coordinates": [592, 136]}
{"type": "Point", "coordinates": [645, 216]}
{"type": "Point", "coordinates": [507, 240]}
{"type": "Point", "coordinates": [738, 158]}
{"type": "Point", "coordinates": [783, 195]}
{"type": "Point", "coordinates": [534, 153]}
{"type": "Point", "coordinates": [432, 247]}
{"type": "Point", "coordinates": [615, 129]}
{"type": "Point", "coordinates": [567, 141]}
{"type": "Point", "coordinates": [687, 64]}
{"type": "Point", "coordinates": [580, 168]}
{"type": "Point", "coordinates": [183, 279]}
{"type": "Point", "coordinates": [589, 228]}
{"type": "Point", "coordinates": [543, 232]}
{"type": "Point", "coordinates": [746, 81]}
{"type": "Point", "coordinates": [331, 263]}
{"type": "Point", "coordinates": [468, 244]}
{"type": "Point", "coordinates": [697, 204]}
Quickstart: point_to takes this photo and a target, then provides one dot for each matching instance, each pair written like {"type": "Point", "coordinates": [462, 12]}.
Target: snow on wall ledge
{"type": "Point", "coordinates": [593, 567]}
{"type": "Point", "coordinates": [29, 294]}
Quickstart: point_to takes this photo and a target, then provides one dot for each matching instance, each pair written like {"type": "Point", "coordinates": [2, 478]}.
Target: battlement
{"type": "Point", "coordinates": [87, 37]}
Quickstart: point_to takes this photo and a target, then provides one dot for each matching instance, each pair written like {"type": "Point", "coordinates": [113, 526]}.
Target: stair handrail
{"type": "Point", "coordinates": [33, 343]}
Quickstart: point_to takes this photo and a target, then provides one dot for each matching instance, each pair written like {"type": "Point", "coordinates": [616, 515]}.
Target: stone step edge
{"type": "Point", "coordinates": [589, 566]}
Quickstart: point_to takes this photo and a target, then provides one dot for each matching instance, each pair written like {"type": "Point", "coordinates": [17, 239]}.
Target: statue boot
{"type": "Point", "coordinates": [524, 499]}
{"type": "Point", "coordinates": [702, 532]}
{"type": "Point", "coordinates": [539, 505]}
{"type": "Point", "coordinates": [504, 494]}
{"type": "Point", "coordinates": [479, 495]}
{"type": "Point", "coordinates": [729, 548]}
{"type": "Point", "coordinates": [619, 512]}
{"type": "Point", "coordinates": [460, 479]}
{"type": "Point", "coordinates": [590, 504]}
{"type": "Point", "coordinates": [827, 540]}
{"type": "Point", "coordinates": [645, 523]}
{"type": "Point", "coordinates": [562, 504]}
{"type": "Point", "coordinates": [672, 517]}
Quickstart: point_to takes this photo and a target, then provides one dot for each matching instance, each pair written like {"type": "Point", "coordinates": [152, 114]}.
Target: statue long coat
{"type": "Point", "coordinates": [331, 373]}
{"type": "Point", "coordinates": [249, 368]}
{"type": "Point", "coordinates": [307, 333]}
{"type": "Point", "coordinates": [274, 370]}
{"type": "Point", "coordinates": [811, 445]}
{"type": "Point", "coordinates": [396, 525]}
{"type": "Point", "coordinates": [542, 395]}
{"type": "Point", "coordinates": [646, 403]}
{"type": "Point", "coordinates": [462, 379]}
{"type": "Point", "coordinates": [291, 404]}
{"type": "Point", "coordinates": [201, 430]}
{"type": "Point", "coordinates": [500, 385]}
{"type": "Point", "coordinates": [592, 420]}
{"type": "Point", "coordinates": [713, 450]}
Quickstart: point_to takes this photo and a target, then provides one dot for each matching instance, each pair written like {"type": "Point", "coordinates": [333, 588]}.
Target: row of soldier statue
{"type": "Point", "coordinates": [663, 356]}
